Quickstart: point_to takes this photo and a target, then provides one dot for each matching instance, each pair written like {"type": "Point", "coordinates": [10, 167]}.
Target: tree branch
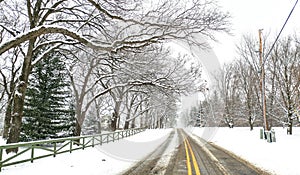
{"type": "Point", "coordinates": [47, 29]}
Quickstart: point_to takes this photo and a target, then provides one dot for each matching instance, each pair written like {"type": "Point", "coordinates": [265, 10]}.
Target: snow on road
{"type": "Point", "coordinates": [108, 159]}
{"type": "Point", "coordinates": [280, 157]}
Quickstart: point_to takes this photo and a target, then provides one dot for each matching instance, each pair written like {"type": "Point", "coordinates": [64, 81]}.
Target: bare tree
{"type": "Point", "coordinates": [287, 77]}
{"type": "Point", "coordinates": [282, 82]}
{"type": "Point", "coordinates": [248, 85]}
{"type": "Point", "coordinates": [150, 71]}
{"type": "Point", "coordinates": [132, 104]}
{"type": "Point", "coordinates": [9, 80]}
{"type": "Point", "coordinates": [64, 23]}
{"type": "Point", "coordinates": [82, 81]}
{"type": "Point", "coordinates": [250, 71]}
{"type": "Point", "coordinates": [229, 90]}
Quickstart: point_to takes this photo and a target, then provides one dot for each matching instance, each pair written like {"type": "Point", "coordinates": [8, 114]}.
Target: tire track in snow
{"type": "Point", "coordinates": [152, 163]}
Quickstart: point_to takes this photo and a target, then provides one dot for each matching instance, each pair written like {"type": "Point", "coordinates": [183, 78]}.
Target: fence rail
{"type": "Point", "coordinates": [53, 147]}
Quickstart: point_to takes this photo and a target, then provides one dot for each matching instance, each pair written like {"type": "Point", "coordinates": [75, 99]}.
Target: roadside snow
{"type": "Point", "coordinates": [162, 164]}
{"type": "Point", "coordinates": [280, 157]}
{"type": "Point", "coordinates": [111, 158]}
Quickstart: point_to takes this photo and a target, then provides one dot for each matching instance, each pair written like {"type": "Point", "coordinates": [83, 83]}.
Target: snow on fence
{"type": "Point", "coordinates": [30, 151]}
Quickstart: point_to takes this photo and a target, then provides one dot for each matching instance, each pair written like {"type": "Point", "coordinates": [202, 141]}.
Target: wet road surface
{"type": "Point", "coordinates": [193, 156]}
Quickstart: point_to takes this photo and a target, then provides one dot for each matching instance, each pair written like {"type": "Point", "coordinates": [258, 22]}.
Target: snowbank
{"type": "Point", "coordinates": [111, 158]}
{"type": "Point", "coordinates": [280, 157]}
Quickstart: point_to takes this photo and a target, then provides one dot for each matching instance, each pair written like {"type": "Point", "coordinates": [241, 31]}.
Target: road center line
{"type": "Point", "coordinates": [206, 150]}
{"type": "Point", "coordinates": [188, 163]}
{"type": "Point", "coordinates": [196, 167]}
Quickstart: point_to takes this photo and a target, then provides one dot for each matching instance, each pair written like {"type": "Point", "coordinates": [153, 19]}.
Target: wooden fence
{"type": "Point", "coordinates": [54, 147]}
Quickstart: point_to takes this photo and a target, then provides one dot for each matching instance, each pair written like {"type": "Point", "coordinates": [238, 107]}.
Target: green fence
{"type": "Point", "coordinates": [54, 147]}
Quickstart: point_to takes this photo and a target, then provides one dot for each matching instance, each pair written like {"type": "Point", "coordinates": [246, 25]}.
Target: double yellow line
{"type": "Point", "coordinates": [188, 149]}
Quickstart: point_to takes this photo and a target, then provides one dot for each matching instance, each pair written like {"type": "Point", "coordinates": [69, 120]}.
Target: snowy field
{"type": "Point", "coordinates": [280, 157]}
{"type": "Point", "coordinates": [108, 159]}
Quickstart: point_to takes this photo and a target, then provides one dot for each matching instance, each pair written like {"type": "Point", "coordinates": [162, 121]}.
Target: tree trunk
{"type": "Point", "coordinates": [19, 98]}
{"type": "Point", "coordinates": [142, 122]}
{"type": "Point", "coordinates": [8, 112]}
{"type": "Point", "coordinates": [113, 124]}
{"type": "Point", "coordinates": [77, 129]}
{"type": "Point", "coordinates": [249, 107]}
{"type": "Point", "coordinates": [14, 133]}
{"type": "Point", "coordinates": [119, 121]}
{"type": "Point", "coordinates": [251, 121]}
{"type": "Point", "coordinates": [80, 116]}
{"type": "Point", "coordinates": [115, 116]}
{"type": "Point", "coordinates": [15, 129]}
{"type": "Point", "coordinates": [77, 132]}
{"type": "Point", "coordinates": [156, 123]}
{"type": "Point", "coordinates": [133, 123]}
{"type": "Point", "coordinates": [290, 124]}
{"type": "Point", "coordinates": [7, 119]}
{"type": "Point", "coordinates": [290, 128]}
{"type": "Point", "coordinates": [126, 126]}
{"type": "Point", "coordinates": [161, 122]}
{"type": "Point", "coordinates": [99, 127]}
{"type": "Point", "coordinates": [251, 124]}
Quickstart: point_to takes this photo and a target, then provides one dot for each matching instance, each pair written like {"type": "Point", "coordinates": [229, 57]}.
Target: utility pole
{"type": "Point", "coordinates": [262, 82]}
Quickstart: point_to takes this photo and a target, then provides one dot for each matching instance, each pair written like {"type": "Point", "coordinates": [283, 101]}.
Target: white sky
{"type": "Point", "coordinates": [248, 16]}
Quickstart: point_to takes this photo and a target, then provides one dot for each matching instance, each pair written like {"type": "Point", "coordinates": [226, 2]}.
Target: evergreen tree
{"type": "Point", "coordinates": [49, 111]}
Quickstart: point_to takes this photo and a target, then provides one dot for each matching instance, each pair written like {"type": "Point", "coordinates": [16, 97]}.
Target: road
{"type": "Point", "coordinates": [192, 156]}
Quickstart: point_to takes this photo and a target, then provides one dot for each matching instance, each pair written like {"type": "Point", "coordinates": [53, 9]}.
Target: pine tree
{"type": "Point", "coordinates": [49, 111]}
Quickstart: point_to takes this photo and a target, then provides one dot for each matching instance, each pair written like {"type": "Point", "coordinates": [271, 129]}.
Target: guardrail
{"type": "Point", "coordinates": [53, 147]}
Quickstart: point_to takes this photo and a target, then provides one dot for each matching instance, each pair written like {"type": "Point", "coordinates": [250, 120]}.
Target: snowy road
{"type": "Point", "coordinates": [168, 154]}
{"type": "Point", "coordinates": [191, 156]}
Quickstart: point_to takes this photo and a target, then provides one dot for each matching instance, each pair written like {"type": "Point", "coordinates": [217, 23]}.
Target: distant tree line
{"type": "Point", "coordinates": [236, 99]}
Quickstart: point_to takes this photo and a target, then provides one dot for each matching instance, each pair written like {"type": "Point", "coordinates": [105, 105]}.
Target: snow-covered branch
{"type": "Point", "coordinates": [45, 53]}
{"type": "Point", "coordinates": [49, 29]}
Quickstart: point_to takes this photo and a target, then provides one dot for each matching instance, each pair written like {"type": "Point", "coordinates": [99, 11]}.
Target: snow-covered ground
{"type": "Point", "coordinates": [280, 157]}
{"type": "Point", "coordinates": [108, 159]}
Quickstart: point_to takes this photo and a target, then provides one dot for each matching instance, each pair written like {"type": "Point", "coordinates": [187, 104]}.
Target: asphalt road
{"type": "Point", "coordinates": [193, 156]}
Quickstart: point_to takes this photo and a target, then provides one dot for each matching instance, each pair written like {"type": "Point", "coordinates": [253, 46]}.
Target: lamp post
{"type": "Point", "coordinates": [262, 83]}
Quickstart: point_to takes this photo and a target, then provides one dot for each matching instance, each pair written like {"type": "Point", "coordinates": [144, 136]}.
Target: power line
{"type": "Point", "coordinates": [281, 31]}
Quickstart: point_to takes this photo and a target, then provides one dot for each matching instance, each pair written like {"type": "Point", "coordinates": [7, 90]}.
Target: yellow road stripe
{"type": "Point", "coordinates": [188, 164]}
{"type": "Point", "coordinates": [194, 159]}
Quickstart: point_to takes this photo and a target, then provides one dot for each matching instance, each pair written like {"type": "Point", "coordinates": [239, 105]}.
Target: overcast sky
{"type": "Point", "coordinates": [248, 16]}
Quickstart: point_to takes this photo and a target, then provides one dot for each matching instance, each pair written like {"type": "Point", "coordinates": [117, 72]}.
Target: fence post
{"type": "Point", "coordinates": [1, 152]}
{"type": "Point", "coordinates": [32, 153]}
{"type": "Point", "coordinates": [71, 143]}
{"type": "Point", "coordinates": [100, 139]}
{"type": "Point", "coordinates": [54, 150]}
{"type": "Point", "coordinates": [93, 141]}
{"type": "Point", "coordinates": [83, 142]}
